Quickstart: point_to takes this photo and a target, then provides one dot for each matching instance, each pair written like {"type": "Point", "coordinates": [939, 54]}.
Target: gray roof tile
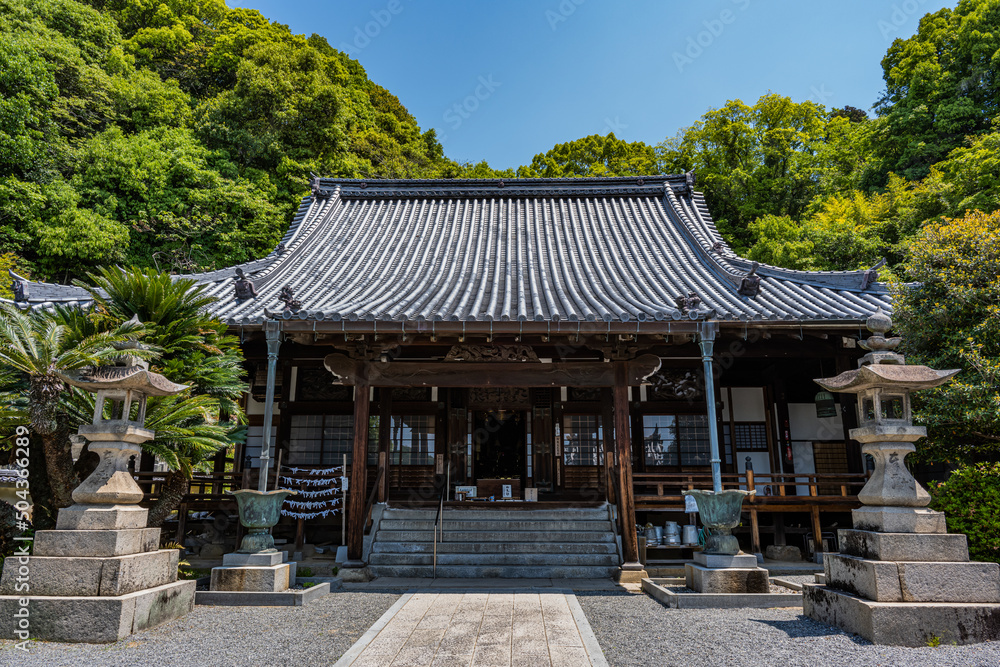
{"type": "Point", "coordinates": [613, 250]}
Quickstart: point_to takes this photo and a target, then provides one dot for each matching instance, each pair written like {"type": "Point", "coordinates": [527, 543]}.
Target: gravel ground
{"type": "Point", "coordinates": [316, 634]}
{"type": "Point", "coordinates": [637, 630]}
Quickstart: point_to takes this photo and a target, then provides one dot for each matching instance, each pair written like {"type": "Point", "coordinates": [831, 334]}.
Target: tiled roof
{"type": "Point", "coordinates": [530, 250]}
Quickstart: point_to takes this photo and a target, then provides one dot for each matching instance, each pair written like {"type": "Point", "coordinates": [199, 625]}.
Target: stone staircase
{"type": "Point", "coordinates": [572, 543]}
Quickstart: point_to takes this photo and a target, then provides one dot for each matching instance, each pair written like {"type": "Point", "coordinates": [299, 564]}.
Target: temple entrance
{"type": "Point", "coordinates": [499, 445]}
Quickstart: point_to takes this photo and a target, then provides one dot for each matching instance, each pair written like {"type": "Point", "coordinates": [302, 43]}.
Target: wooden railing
{"type": "Point", "coordinates": [204, 488]}
{"type": "Point", "coordinates": [776, 492]}
{"type": "Point", "coordinates": [664, 490]}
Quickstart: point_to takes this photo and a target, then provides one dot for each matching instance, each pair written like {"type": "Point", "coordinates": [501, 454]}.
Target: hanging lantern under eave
{"type": "Point", "coordinates": [826, 405]}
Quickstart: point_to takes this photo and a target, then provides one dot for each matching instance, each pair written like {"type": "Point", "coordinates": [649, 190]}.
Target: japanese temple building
{"type": "Point", "coordinates": [549, 332]}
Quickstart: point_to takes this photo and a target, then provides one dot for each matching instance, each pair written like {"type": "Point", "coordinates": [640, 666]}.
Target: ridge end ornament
{"type": "Point", "coordinates": [244, 286]}
{"type": "Point", "coordinates": [871, 275]}
{"type": "Point", "coordinates": [19, 286]}
{"type": "Point", "coordinates": [750, 284]}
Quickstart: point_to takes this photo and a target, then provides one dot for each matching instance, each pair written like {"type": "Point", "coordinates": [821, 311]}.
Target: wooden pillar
{"type": "Point", "coordinates": [608, 419]}
{"type": "Point", "coordinates": [623, 447]}
{"type": "Point", "coordinates": [384, 424]}
{"type": "Point", "coordinates": [754, 525]}
{"type": "Point", "coordinates": [359, 469]}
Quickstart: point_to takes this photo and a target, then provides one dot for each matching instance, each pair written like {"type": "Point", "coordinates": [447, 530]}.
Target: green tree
{"type": "Point", "coordinates": [195, 350]}
{"type": "Point", "coordinates": [752, 161]}
{"type": "Point", "coordinates": [39, 347]}
{"type": "Point", "coordinates": [942, 84]}
{"type": "Point", "coordinates": [970, 499]}
{"type": "Point", "coordinates": [951, 319]}
{"type": "Point", "coordinates": [780, 242]}
{"type": "Point", "coordinates": [594, 156]}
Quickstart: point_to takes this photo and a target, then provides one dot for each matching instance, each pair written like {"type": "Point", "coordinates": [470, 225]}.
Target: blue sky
{"type": "Point", "coordinates": [502, 81]}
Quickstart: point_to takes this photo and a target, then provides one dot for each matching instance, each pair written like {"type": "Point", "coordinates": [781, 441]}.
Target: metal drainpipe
{"type": "Point", "coordinates": [272, 334]}
{"type": "Point", "coordinates": [706, 341]}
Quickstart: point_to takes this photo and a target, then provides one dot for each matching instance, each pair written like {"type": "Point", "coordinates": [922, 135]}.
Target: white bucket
{"type": "Point", "coordinates": [672, 532]}
{"type": "Point", "coordinates": [690, 534]}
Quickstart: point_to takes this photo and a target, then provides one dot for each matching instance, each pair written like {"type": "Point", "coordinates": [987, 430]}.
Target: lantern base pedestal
{"type": "Point", "coordinates": [96, 619]}
{"type": "Point", "coordinates": [102, 517]}
{"type": "Point", "coordinates": [93, 585]}
{"type": "Point", "coordinates": [901, 623]}
{"type": "Point", "coordinates": [885, 519]}
{"type": "Point", "coordinates": [907, 589]}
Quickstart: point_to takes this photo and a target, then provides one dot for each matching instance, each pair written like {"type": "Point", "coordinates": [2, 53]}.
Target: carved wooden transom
{"type": "Point", "coordinates": [491, 353]}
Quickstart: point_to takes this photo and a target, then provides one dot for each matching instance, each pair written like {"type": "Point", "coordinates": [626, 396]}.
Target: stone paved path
{"type": "Point", "coordinates": [494, 628]}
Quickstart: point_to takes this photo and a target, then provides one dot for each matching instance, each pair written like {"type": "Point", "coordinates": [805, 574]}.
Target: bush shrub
{"type": "Point", "coordinates": [971, 500]}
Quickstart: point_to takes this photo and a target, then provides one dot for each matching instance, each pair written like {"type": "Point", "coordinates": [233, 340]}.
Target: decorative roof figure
{"type": "Point", "coordinates": [688, 303]}
{"type": "Point", "coordinates": [750, 285]}
{"type": "Point", "coordinates": [288, 296]}
{"type": "Point", "coordinates": [871, 275]}
{"type": "Point", "coordinates": [244, 286]}
{"type": "Point", "coordinates": [19, 287]}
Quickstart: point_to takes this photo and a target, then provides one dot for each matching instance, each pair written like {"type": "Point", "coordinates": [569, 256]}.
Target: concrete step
{"type": "Point", "coordinates": [527, 560]}
{"type": "Point", "coordinates": [555, 536]}
{"type": "Point", "coordinates": [509, 525]}
{"type": "Point", "coordinates": [608, 547]}
{"type": "Point", "coordinates": [496, 572]}
{"type": "Point", "coordinates": [600, 514]}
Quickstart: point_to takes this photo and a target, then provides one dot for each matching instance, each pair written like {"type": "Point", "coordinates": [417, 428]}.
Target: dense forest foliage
{"type": "Point", "coordinates": [180, 135]}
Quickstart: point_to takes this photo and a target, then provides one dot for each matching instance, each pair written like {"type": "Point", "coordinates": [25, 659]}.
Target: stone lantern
{"type": "Point", "coordinates": [100, 575]}
{"type": "Point", "coordinates": [109, 497]}
{"type": "Point", "coordinates": [900, 577]}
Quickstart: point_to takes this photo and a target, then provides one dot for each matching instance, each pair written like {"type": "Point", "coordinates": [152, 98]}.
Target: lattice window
{"type": "Point", "coordinates": [671, 440]}
{"type": "Point", "coordinates": [692, 433]}
{"type": "Point", "coordinates": [659, 440]}
{"type": "Point", "coordinates": [323, 440]}
{"type": "Point", "coordinates": [583, 439]}
{"type": "Point", "coordinates": [750, 436]}
{"type": "Point", "coordinates": [411, 440]}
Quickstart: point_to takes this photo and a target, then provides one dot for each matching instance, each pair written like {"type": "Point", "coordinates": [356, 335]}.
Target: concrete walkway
{"type": "Point", "coordinates": [479, 627]}
{"type": "Point", "coordinates": [416, 583]}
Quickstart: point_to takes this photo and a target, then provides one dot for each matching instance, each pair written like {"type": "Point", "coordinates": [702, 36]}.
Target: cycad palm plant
{"type": "Point", "coordinates": [40, 347]}
{"type": "Point", "coordinates": [193, 426]}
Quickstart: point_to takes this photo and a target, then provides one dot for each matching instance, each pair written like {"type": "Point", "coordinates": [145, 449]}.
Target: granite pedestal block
{"type": "Point", "coordinates": [101, 517]}
{"type": "Point", "coordinates": [96, 543]}
{"type": "Point", "coordinates": [82, 576]}
{"type": "Point", "coordinates": [726, 579]}
{"type": "Point", "coordinates": [942, 547]}
{"type": "Point", "coordinates": [95, 619]}
{"type": "Point", "coordinates": [254, 560]}
{"type": "Point", "coordinates": [903, 624]}
{"type": "Point", "coordinates": [899, 581]}
{"type": "Point", "coordinates": [883, 519]}
{"type": "Point", "coordinates": [725, 560]}
{"type": "Point", "coordinates": [269, 579]}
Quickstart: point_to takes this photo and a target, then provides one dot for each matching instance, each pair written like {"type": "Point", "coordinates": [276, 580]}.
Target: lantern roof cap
{"type": "Point", "coordinates": [891, 376]}
{"type": "Point", "coordinates": [123, 378]}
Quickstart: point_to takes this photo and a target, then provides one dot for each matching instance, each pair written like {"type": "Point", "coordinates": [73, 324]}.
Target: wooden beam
{"type": "Point", "coordinates": [623, 447]}
{"type": "Point", "coordinates": [359, 472]}
{"type": "Point", "coordinates": [489, 373]}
